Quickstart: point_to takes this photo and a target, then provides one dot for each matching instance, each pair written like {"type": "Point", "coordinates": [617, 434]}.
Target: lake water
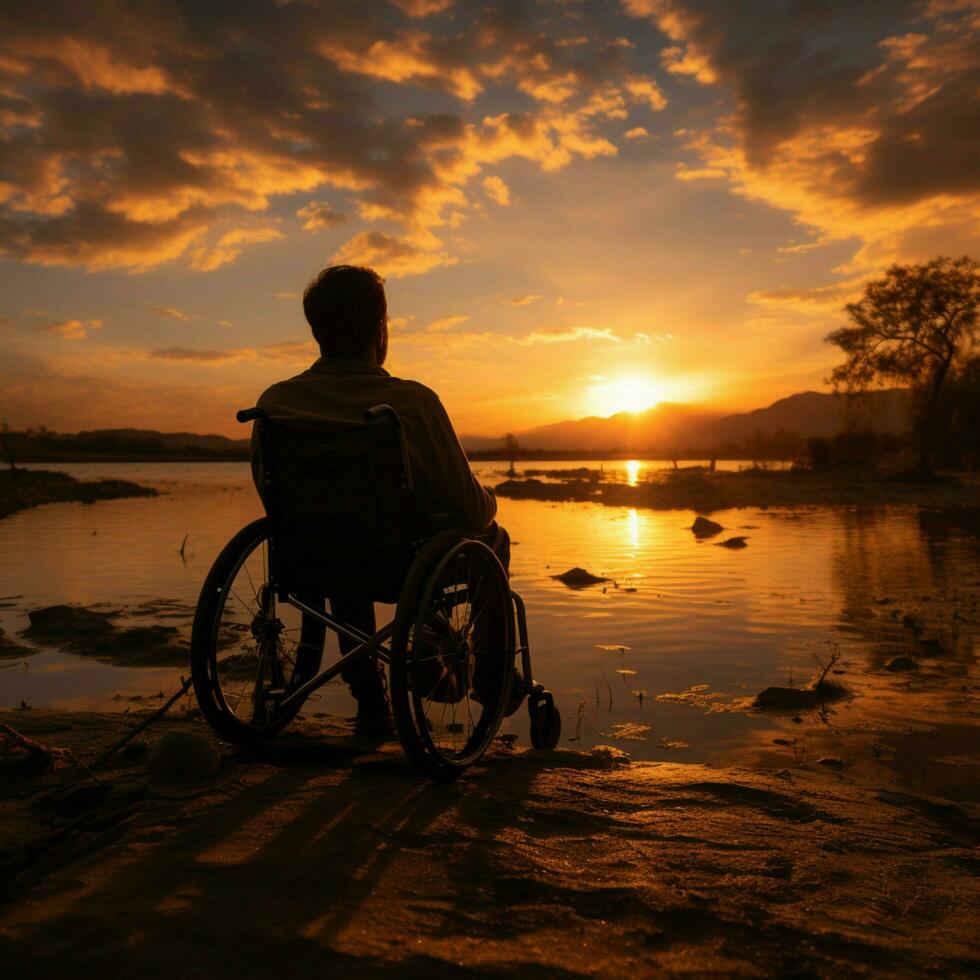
{"type": "Point", "coordinates": [703, 628]}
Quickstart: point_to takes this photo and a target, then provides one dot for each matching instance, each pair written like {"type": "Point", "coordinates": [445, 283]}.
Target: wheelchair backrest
{"type": "Point", "coordinates": [343, 515]}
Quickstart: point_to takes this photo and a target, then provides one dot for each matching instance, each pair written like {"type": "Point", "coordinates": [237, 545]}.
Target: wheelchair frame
{"type": "Point", "coordinates": [545, 720]}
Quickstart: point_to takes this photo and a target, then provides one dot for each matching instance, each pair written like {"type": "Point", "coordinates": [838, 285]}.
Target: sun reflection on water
{"type": "Point", "coordinates": [633, 467]}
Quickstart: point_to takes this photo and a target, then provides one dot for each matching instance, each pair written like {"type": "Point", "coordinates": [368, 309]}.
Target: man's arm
{"type": "Point", "coordinates": [447, 476]}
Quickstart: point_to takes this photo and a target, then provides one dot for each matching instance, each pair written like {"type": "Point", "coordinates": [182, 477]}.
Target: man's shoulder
{"type": "Point", "coordinates": [414, 388]}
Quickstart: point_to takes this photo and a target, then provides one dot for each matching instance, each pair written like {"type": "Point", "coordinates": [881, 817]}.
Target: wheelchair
{"type": "Point", "coordinates": [342, 519]}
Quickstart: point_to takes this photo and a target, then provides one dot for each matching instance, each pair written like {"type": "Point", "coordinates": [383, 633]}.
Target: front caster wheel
{"type": "Point", "coordinates": [545, 720]}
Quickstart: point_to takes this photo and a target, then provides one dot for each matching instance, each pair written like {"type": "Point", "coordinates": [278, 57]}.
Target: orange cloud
{"type": "Point", "coordinates": [861, 133]}
{"type": "Point", "coordinates": [229, 246]}
{"type": "Point", "coordinates": [72, 329]}
{"type": "Point", "coordinates": [447, 322]}
{"type": "Point", "coordinates": [318, 215]}
{"type": "Point", "coordinates": [525, 300]}
{"type": "Point", "coordinates": [172, 313]}
{"type": "Point", "coordinates": [422, 8]}
{"type": "Point", "coordinates": [564, 335]}
{"type": "Point", "coordinates": [496, 190]}
{"type": "Point", "coordinates": [390, 256]}
{"type": "Point", "coordinates": [134, 139]}
{"type": "Point", "coordinates": [291, 351]}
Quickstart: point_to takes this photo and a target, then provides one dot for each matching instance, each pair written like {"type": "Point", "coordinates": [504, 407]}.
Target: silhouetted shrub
{"type": "Point", "coordinates": [819, 453]}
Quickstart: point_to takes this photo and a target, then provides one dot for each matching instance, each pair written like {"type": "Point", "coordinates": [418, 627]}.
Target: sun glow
{"type": "Point", "coordinates": [632, 393]}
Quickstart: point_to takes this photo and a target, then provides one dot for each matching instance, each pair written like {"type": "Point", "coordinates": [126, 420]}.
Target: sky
{"type": "Point", "coordinates": [578, 207]}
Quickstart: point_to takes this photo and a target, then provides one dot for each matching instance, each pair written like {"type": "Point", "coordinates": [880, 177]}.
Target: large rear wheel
{"type": "Point", "coordinates": [452, 657]}
{"type": "Point", "coordinates": [246, 646]}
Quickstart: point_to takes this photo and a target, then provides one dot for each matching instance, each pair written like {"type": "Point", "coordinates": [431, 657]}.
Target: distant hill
{"type": "Point", "coordinates": [810, 413]}
{"type": "Point", "coordinates": [668, 426]}
{"type": "Point", "coordinates": [665, 424]}
{"type": "Point", "coordinates": [171, 441]}
{"type": "Point", "coordinates": [119, 444]}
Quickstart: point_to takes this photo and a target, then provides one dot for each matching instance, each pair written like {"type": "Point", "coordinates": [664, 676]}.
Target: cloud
{"type": "Point", "coordinates": [860, 119]}
{"type": "Point", "coordinates": [171, 312]}
{"type": "Point", "coordinates": [699, 173]}
{"type": "Point", "coordinates": [229, 246]}
{"type": "Point", "coordinates": [71, 329]}
{"type": "Point", "coordinates": [291, 351]}
{"type": "Point", "coordinates": [829, 299]}
{"type": "Point", "coordinates": [496, 190]}
{"type": "Point", "coordinates": [388, 255]}
{"type": "Point", "coordinates": [318, 215]}
{"type": "Point", "coordinates": [422, 8]}
{"type": "Point", "coordinates": [140, 135]}
{"type": "Point", "coordinates": [636, 133]}
{"type": "Point", "coordinates": [564, 335]}
{"type": "Point", "coordinates": [447, 322]}
{"type": "Point", "coordinates": [525, 300]}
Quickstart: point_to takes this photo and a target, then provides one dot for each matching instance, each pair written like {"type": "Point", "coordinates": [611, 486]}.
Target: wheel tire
{"type": "Point", "coordinates": [420, 594]}
{"type": "Point", "coordinates": [545, 721]}
{"type": "Point", "coordinates": [208, 618]}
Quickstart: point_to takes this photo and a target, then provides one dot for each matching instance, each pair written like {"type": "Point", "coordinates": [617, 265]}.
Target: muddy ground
{"type": "Point", "coordinates": [321, 853]}
{"type": "Point", "coordinates": [21, 488]}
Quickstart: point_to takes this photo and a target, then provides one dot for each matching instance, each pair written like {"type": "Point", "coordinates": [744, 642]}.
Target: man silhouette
{"type": "Point", "coordinates": [347, 311]}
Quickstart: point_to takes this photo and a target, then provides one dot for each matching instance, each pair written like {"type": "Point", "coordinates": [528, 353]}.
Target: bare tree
{"type": "Point", "coordinates": [909, 328]}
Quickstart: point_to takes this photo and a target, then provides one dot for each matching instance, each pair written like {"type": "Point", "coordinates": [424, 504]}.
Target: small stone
{"type": "Point", "coordinates": [898, 665]}
{"type": "Point", "coordinates": [831, 761]}
{"type": "Point", "coordinates": [703, 528]}
{"type": "Point", "coordinates": [734, 543]}
{"type": "Point", "coordinates": [912, 623]}
{"type": "Point", "coordinates": [183, 757]}
{"type": "Point", "coordinates": [609, 755]}
{"type": "Point", "coordinates": [136, 749]}
{"type": "Point", "coordinates": [579, 578]}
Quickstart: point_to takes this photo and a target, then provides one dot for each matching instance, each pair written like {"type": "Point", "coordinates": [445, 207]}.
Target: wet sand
{"type": "Point", "coordinates": [21, 488]}
{"type": "Point", "coordinates": [323, 854]}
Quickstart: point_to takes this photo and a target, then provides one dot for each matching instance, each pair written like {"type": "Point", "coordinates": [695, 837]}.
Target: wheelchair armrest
{"type": "Point", "coordinates": [250, 414]}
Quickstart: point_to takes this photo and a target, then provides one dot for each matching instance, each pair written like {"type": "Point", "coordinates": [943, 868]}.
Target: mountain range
{"type": "Point", "coordinates": [667, 425]}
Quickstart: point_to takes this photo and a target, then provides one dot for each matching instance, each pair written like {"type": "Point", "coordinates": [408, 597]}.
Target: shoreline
{"type": "Point", "coordinates": [707, 492]}
{"type": "Point", "coordinates": [738, 870]}
{"type": "Point", "coordinates": [21, 489]}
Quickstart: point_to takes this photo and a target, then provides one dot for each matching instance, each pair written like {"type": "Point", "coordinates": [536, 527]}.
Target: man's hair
{"type": "Point", "coordinates": [346, 307]}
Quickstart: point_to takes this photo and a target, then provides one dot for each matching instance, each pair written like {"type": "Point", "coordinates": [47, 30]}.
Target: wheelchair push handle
{"type": "Point", "coordinates": [386, 412]}
{"type": "Point", "coordinates": [250, 414]}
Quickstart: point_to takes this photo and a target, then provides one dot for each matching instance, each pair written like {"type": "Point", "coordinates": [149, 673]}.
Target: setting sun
{"type": "Point", "coordinates": [629, 394]}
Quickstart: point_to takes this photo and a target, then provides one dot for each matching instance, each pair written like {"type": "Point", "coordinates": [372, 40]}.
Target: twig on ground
{"type": "Point", "coordinates": [185, 684]}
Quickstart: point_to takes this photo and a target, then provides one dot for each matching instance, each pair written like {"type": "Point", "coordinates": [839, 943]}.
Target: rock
{"type": "Point", "coordinates": [831, 761]}
{"type": "Point", "coordinates": [932, 647]}
{"type": "Point", "coordinates": [703, 528]}
{"type": "Point", "coordinates": [609, 755]}
{"type": "Point", "coordinates": [912, 623]}
{"type": "Point", "coordinates": [736, 542]}
{"type": "Point", "coordinates": [11, 649]}
{"type": "Point", "coordinates": [900, 664]}
{"type": "Point", "coordinates": [797, 698]}
{"type": "Point", "coordinates": [183, 757]}
{"type": "Point", "coordinates": [579, 578]}
{"type": "Point", "coordinates": [135, 749]}
{"type": "Point", "coordinates": [93, 634]}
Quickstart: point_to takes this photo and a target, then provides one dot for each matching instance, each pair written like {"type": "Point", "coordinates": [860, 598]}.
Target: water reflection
{"type": "Point", "coordinates": [633, 467]}
{"type": "Point", "coordinates": [702, 624]}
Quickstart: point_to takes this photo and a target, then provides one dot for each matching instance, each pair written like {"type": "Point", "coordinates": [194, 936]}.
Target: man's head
{"type": "Point", "coordinates": [346, 307]}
